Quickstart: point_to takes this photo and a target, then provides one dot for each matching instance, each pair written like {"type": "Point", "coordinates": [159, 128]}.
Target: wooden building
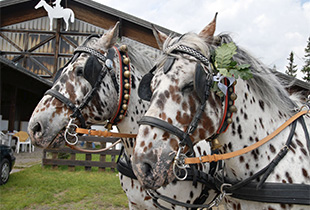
{"type": "Point", "coordinates": [31, 53]}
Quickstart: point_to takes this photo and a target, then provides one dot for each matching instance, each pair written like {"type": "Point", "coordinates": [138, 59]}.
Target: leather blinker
{"type": "Point", "coordinates": [200, 82]}
{"type": "Point", "coordinates": [144, 89]}
{"type": "Point", "coordinates": [92, 69]}
{"type": "Point", "coordinates": [168, 64]}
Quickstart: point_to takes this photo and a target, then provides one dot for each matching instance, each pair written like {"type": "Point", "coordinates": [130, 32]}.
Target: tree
{"type": "Point", "coordinates": [291, 68]}
{"type": "Point", "coordinates": [306, 68]}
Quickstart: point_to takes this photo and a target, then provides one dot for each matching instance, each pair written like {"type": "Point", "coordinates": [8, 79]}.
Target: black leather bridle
{"type": "Point", "coordinates": [106, 68]}
{"type": "Point", "coordinates": [203, 81]}
{"type": "Point", "coordinates": [71, 105]}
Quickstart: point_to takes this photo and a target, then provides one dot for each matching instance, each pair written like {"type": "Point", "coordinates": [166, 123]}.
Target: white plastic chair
{"type": "Point", "coordinates": [22, 141]}
{"type": "Point", "coordinates": [4, 139]}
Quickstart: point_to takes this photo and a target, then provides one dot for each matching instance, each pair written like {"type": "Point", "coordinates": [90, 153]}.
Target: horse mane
{"type": "Point", "coordinates": [264, 81]}
{"type": "Point", "coordinates": [142, 62]}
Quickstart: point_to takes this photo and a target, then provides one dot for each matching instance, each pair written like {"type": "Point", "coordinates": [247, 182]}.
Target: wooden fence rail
{"type": "Point", "coordinates": [88, 163]}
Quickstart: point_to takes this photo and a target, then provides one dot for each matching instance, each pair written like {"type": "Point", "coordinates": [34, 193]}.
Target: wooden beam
{"type": "Point", "coordinates": [104, 20]}
{"type": "Point", "coordinates": [20, 12]}
{"type": "Point", "coordinates": [56, 47]}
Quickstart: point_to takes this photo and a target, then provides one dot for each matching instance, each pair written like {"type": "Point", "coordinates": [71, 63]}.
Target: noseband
{"type": "Point", "coordinates": [202, 83]}
{"type": "Point", "coordinates": [123, 88]}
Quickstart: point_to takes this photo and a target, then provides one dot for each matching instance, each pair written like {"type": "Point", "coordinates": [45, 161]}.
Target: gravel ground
{"type": "Point", "coordinates": [27, 159]}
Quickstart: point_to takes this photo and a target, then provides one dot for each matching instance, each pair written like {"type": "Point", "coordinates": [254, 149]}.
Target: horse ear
{"type": "Point", "coordinates": [109, 38]}
{"type": "Point", "coordinates": [209, 30]}
{"type": "Point", "coordinates": [159, 36]}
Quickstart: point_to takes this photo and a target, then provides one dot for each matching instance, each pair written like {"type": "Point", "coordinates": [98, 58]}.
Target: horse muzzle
{"type": "Point", "coordinates": [152, 171]}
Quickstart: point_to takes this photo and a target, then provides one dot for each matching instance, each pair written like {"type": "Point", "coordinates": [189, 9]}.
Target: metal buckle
{"type": "Point", "coordinates": [70, 130]}
{"type": "Point", "coordinates": [179, 163]}
{"type": "Point", "coordinates": [216, 202]}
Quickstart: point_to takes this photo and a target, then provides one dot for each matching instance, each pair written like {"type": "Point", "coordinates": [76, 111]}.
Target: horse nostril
{"type": "Point", "coordinates": [147, 169]}
{"type": "Point", "coordinates": [36, 128]}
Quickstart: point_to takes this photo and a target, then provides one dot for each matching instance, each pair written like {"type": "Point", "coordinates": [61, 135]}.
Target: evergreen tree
{"type": "Point", "coordinates": [306, 68]}
{"type": "Point", "coordinates": [291, 68]}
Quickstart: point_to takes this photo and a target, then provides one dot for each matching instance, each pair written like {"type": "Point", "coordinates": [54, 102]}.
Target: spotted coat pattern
{"type": "Point", "coordinates": [52, 116]}
{"type": "Point", "coordinates": [259, 113]}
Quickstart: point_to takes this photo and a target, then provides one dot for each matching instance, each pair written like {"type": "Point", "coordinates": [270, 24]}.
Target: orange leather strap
{"type": "Point", "coordinates": [104, 133]}
{"type": "Point", "coordinates": [215, 157]}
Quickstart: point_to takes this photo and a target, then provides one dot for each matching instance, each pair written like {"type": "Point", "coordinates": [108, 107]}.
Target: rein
{"type": "Point", "coordinates": [98, 133]}
{"type": "Point", "coordinates": [215, 157]}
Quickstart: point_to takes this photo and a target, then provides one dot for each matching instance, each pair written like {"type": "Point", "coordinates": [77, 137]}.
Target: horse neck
{"type": "Point", "coordinates": [254, 120]}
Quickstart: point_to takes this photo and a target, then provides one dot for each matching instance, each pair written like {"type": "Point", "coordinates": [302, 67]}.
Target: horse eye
{"type": "Point", "coordinates": [79, 71]}
{"type": "Point", "coordinates": [188, 87]}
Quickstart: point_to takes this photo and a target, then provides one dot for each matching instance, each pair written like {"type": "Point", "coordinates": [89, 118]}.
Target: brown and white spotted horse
{"type": "Point", "coordinates": [75, 81]}
{"type": "Point", "coordinates": [169, 126]}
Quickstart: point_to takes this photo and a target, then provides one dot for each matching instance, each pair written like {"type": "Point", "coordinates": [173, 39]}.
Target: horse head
{"type": "Point", "coordinates": [84, 90]}
{"type": "Point", "coordinates": [177, 88]}
{"type": "Point", "coordinates": [184, 110]}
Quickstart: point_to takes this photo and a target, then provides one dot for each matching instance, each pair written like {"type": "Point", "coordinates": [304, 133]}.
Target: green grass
{"type": "Point", "coordinates": [45, 188]}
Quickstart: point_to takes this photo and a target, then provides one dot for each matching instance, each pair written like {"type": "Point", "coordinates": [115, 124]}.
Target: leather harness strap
{"type": "Point", "coordinates": [104, 133]}
{"type": "Point", "coordinates": [215, 157]}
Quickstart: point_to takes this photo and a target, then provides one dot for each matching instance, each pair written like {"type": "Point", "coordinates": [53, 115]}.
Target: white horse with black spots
{"type": "Point", "coordinates": [263, 105]}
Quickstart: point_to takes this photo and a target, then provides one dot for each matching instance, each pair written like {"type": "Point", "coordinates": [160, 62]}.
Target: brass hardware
{"type": "Point", "coordinates": [126, 96]}
{"type": "Point", "coordinates": [127, 85]}
{"type": "Point", "coordinates": [121, 117]}
{"type": "Point", "coordinates": [127, 74]}
{"type": "Point", "coordinates": [126, 61]}
{"type": "Point", "coordinates": [124, 48]}
{"type": "Point", "coordinates": [126, 68]}
{"type": "Point", "coordinates": [109, 126]}
{"type": "Point", "coordinates": [233, 96]}
{"type": "Point", "coordinates": [235, 82]}
{"type": "Point", "coordinates": [215, 144]}
{"type": "Point", "coordinates": [229, 120]}
{"type": "Point", "coordinates": [124, 106]}
{"type": "Point", "coordinates": [233, 109]}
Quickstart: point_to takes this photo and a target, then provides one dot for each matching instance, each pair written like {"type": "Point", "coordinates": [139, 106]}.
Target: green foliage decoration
{"type": "Point", "coordinates": [227, 67]}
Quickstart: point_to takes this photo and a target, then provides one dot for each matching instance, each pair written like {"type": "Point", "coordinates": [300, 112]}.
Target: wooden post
{"type": "Point", "coordinates": [54, 157]}
{"type": "Point", "coordinates": [88, 156]}
{"type": "Point", "coordinates": [102, 157]}
{"type": "Point", "coordinates": [57, 43]}
{"type": "Point", "coordinates": [113, 158]}
{"type": "Point", "coordinates": [72, 157]}
{"type": "Point", "coordinates": [12, 114]}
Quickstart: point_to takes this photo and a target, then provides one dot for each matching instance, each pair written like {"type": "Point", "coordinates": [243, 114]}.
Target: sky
{"type": "Point", "coordinates": [268, 29]}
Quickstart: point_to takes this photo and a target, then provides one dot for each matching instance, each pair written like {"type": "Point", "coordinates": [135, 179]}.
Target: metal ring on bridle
{"type": "Point", "coordinates": [70, 130]}
{"type": "Point", "coordinates": [179, 163]}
